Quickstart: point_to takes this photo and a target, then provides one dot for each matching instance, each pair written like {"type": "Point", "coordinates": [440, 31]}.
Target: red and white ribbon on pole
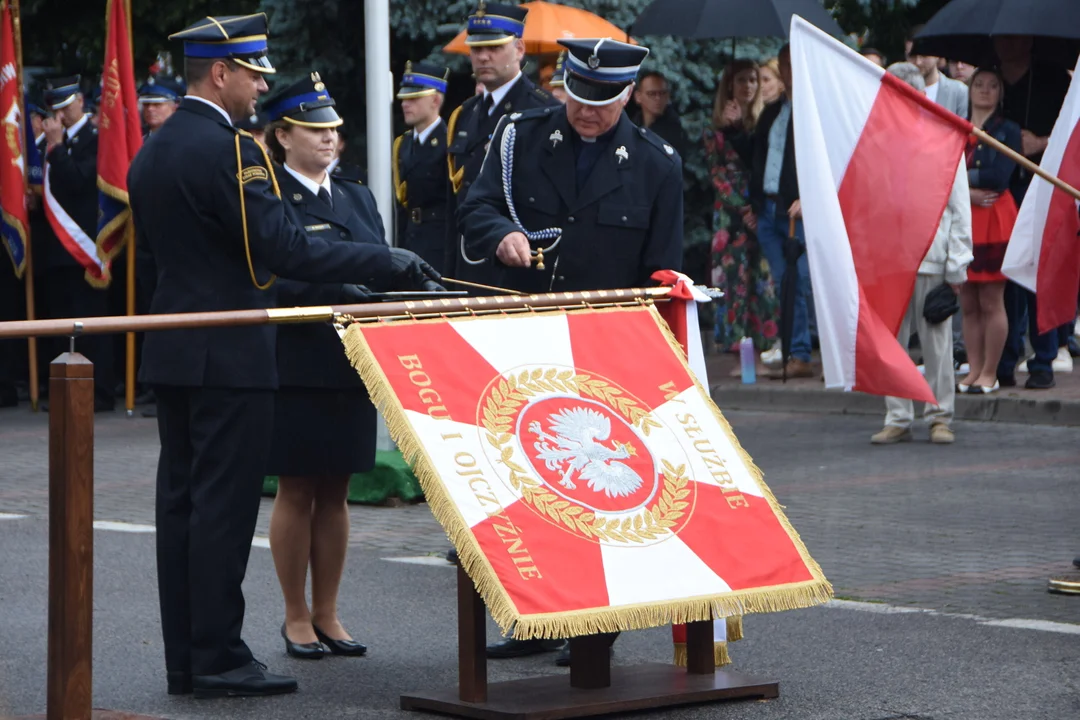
{"type": "Point", "coordinates": [681, 315]}
{"type": "Point", "coordinates": [74, 239]}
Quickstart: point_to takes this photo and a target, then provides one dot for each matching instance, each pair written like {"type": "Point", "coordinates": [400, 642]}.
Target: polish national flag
{"type": "Point", "coordinates": [876, 164]}
{"type": "Point", "coordinates": [1044, 251]}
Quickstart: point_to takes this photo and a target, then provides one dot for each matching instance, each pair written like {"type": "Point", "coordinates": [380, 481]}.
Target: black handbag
{"type": "Point", "coordinates": [940, 304]}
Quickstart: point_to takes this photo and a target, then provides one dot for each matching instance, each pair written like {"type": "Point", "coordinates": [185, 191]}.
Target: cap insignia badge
{"type": "Point", "coordinates": [622, 154]}
{"type": "Point", "coordinates": [481, 9]}
{"type": "Point", "coordinates": [555, 138]}
{"type": "Point", "coordinates": [594, 61]}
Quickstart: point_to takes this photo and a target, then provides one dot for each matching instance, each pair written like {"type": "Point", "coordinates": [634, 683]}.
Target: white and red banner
{"type": "Point", "coordinates": [1044, 251]}
{"type": "Point", "coordinates": [876, 164]}
{"type": "Point", "coordinates": [587, 480]}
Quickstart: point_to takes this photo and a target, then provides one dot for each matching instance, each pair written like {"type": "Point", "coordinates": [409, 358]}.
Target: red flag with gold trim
{"type": "Point", "coordinates": [119, 133]}
{"type": "Point", "coordinates": [12, 157]}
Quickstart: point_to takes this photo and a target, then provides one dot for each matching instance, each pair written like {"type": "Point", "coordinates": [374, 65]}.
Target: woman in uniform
{"type": "Point", "coordinates": [324, 423]}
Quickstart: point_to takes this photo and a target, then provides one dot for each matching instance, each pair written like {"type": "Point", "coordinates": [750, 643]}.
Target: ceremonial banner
{"type": "Point", "coordinates": [586, 479]}
{"type": "Point", "coordinates": [119, 134]}
{"type": "Point", "coordinates": [15, 218]}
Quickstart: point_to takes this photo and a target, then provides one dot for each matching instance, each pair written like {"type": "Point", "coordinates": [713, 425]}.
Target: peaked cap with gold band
{"type": "Point", "coordinates": [422, 79]}
{"type": "Point", "coordinates": [495, 24]}
{"type": "Point", "coordinates": [240, 38]}
{"type": "Point", "coordinates": [306, 103]}
{"type": "Point", "coordinates": [558, 78]}
{"type": "Point", "coordinates": [600, 71]}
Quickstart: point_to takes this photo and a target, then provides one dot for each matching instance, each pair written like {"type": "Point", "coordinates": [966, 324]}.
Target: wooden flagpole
{"type": "Point", "coordinates": [1025, 163]}
{"type": "Point", "coordinates": [28, 273]}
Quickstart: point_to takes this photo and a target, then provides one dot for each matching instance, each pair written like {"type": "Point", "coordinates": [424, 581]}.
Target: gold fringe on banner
{"type": "Point", "coordinates": [734, 628]}
{"type": "Point", "coordinates": [720, 654]}
{"type": "Point", "coordinates": [582, 622]}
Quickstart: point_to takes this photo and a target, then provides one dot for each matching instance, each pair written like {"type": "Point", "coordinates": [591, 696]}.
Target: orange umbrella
{"type": "Point", "coordinates": [546, 24]}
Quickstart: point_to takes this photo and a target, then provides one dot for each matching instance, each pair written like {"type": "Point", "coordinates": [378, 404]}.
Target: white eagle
{"type": "Point", "coordinates": [576, 447]}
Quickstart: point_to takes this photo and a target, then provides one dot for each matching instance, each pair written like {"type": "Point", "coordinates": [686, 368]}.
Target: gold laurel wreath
{"type": "Point", "coordinates": [513, 392]}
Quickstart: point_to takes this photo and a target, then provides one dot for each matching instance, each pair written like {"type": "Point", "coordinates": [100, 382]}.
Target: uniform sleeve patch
{"type": "Point", "coordinates": [256, 172]}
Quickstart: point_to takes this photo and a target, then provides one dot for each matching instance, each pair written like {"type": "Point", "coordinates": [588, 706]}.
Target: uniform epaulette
{"type": "Point", "coordinates": [532, 114]}
{"type": "Point", "coordinates": [659, 143]}
{"type": "Point", "coordinates": [543, 94]}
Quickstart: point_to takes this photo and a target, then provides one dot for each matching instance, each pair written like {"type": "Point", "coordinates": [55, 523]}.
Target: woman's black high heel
{"type": "Point", "coordinates": [303, 651]}
{"type": "Point", "coordinates": [340, 647]}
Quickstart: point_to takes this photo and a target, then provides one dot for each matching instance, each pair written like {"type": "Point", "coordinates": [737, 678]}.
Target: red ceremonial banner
{"type": "Point", "coordinates": [587, 480]}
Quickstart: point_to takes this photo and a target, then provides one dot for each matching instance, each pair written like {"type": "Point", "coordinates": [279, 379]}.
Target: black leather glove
{"type": "Point", "coordinates": [355, 295]}
{"type": "Point", "coordinates": [410, 272]}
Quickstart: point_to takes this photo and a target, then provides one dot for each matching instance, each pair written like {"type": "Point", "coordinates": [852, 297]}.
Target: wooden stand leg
{"type": "Point", "coordinates": [590, 662]}
{"type": "Point", "coordinates": [71, 555]}
{"type": "Point", "coordinates": [700, 659]}
{"type": "Point", "coordinates": [472, 639]}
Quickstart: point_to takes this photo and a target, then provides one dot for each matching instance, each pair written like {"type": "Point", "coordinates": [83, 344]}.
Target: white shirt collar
{"type": "Point", "coordinates": [500, 92]}
{"type": "Point", "coordinates": [213, 105]}
{"type": "Point", "coordinates": [79, 124]}
{"type": "Point", "coordinates": [422, 136]}
{"type": "Point", "coordinates": [308, 183]}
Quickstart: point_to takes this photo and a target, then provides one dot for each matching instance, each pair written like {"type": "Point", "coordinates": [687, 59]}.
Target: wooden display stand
{"type": "Point", "coordinates": [593, 688]}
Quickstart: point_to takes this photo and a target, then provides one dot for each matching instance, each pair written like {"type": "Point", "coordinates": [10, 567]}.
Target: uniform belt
{"type": "Point", "coordinates": [419, 216]}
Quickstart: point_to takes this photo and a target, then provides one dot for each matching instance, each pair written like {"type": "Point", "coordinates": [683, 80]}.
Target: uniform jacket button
{"type": "Point", "coordinates": [342, 234]}
{"type": "Point", "coordinates": [570, 219]}
{"type": "Point", "coordinates": [624, 218]}
{"type": "Point", "coordinates": [561, 278]}
{"type": "Point", "coordinates": [532, 199]}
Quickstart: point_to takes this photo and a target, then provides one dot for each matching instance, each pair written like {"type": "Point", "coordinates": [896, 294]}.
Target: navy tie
{"type": "Point", "coordinates": [324, 195]}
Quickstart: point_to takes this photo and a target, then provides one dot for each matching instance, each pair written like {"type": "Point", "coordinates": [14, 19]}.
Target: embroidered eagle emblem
{"type": "Point", "coordinates": [577, 447]}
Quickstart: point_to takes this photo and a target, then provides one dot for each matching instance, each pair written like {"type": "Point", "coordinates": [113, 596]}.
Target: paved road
{"type": "Point", "coordinates": [969, 531]}
{"type": "Point", "coordinates": [972, 528]}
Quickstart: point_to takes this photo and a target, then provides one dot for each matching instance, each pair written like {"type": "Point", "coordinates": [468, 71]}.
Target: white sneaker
{"type": "Point", "coordinates": [1063, 362]}
{"type": "Point", "coordinates": [773, 358]}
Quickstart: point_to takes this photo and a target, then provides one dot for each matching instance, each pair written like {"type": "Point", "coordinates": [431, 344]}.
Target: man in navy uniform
{"type": "Point", "coordinates": [158, 100]}
{"type": "Point", "coordinates": [69, 150]}
{"type": "Point", "coordinates": [213, 229]}
{"type": "Point", "coordinates": [558, 79]}
{"type": "Point", "coordinates": [496, 51]}
{"type": "Point", "coordinates": [419, 161]}
{"type": "Point", "coordinates": [601, 197]}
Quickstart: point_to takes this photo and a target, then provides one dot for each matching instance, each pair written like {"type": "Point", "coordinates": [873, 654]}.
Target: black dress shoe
{"type": "Point", "coordinates": [1007, 380]}
{"type": "Point", "coordinates": [511, 648]}
{"type": "Point", "coordinates": [452, 557]}
{"type": "Point", "coordinates": [340, 647]}
{"type": "Point", "coordinates": [564, 656]}
{"type": "Point", "coordinates": [179, 682]}
{"type": "Point", "coordinates": [1040, 380]}
{"type": "Point", "coordinates": [303, 651]}
{"type": "Point", "coordinates": [1076, 562]}
{"type": "Point", "coordinates": [249, 680]}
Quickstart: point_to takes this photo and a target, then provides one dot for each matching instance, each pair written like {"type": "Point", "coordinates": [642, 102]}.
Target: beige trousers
{"type": "Point", "coordinates": [936, 344]}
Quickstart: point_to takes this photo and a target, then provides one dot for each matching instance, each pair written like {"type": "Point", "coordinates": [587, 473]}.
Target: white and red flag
{"type": "Point", "coordinates": [876, 164]}
{"type": "Point", "coordinates": [1044, 251]}
{"type": "Point", "coordinates": [585, 477]}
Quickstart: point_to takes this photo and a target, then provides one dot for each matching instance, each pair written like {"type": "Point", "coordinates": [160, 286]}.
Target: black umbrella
{"type": "Point", "coordinates": [704, 19]}
{"type": "Point", "coordinates": [789, 288]}
{"type": "Point", "coordinates": [964, 29]}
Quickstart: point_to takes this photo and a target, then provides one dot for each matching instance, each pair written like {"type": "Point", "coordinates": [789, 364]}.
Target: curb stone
{"type": "Point", "coordinates": [995, 408]}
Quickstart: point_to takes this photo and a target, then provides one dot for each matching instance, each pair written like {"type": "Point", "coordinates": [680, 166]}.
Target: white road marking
{"type": "Point", "coordinates": [1015, 623]}
{"type": "Point", "coordinates": [438, 560]}
{"type": "Point", "coordinates": [11, 516]}
{"type": "Point", "coordinates": [257, 541]}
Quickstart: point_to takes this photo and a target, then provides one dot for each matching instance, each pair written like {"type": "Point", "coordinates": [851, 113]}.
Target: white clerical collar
{"type": "Point", "coordinates": [79, 124]}
{"type": "Point", "coordinates": [213, 105]}
{"type": "Point", "coordinates": [422, 136]}
{"type": "Point", "coordinates": [500, 92]}
{"type": "Point", "coordinates": [308, 183]}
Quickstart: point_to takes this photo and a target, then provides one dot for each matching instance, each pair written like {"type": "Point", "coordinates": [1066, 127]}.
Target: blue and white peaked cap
{"type": "Point", "coordinates": [495, 24]}
{"type": "Point", "coordinates": [600, 71]}
{"type": "Point", "coordinates": [240, 38]}
{"type": "Point", "coordinates": [61, 91]}
{"type": "Point", "coordinates": [306, 103]}
{"type": "Point", "coordinates": [421, 79]}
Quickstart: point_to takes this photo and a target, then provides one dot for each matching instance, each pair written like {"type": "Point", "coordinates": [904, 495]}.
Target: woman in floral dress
{"type": "Point", "coordinates": [738, 268]}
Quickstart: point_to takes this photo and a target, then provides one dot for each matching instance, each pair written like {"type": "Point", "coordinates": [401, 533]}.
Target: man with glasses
{"type": "Point", "coordinates": [653, 98]}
